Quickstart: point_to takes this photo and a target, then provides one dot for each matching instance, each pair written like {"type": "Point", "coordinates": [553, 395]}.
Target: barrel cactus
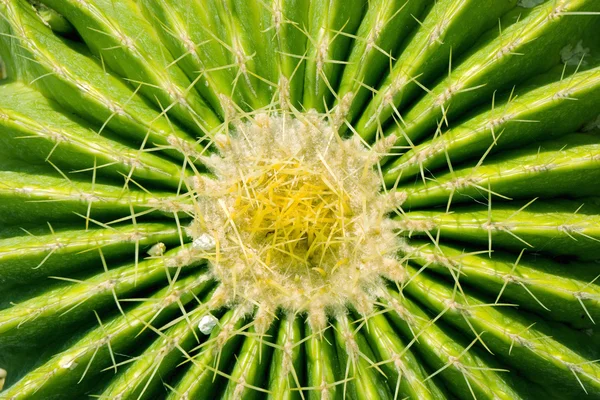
{"type": "Point", "coordinates": [300, 199]}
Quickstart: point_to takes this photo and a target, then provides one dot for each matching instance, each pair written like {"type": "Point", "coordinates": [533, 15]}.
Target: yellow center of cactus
{"type": "Point", "coordinates": [295, 217]}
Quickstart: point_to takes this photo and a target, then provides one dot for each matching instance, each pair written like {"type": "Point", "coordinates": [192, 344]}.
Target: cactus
{"type": "Point", "coordinates": [300, 199]}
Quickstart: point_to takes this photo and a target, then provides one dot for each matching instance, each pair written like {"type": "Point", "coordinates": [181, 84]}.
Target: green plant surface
{"type": "Point", "coordinates": [299, 199]}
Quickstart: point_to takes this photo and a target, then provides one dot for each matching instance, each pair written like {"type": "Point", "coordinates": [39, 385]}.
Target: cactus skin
{"type": "Point", "coordinates": [483, 117]}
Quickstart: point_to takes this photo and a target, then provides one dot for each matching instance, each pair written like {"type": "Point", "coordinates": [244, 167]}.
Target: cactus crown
{"type": "Point", "coordinates": [293, 217]}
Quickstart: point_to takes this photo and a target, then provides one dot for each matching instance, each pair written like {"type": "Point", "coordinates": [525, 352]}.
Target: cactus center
{"type": "Point", "coordinates": [294, 216]}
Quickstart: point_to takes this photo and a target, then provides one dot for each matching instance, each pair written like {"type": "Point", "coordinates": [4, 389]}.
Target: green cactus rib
{"type": "Point", "coordinates": [87, 358]}
{"type": "Point", "coordinates": [500, 62]}
{"type": "Point", "coordinates": [209, 367]}
{"type": "Point", "coordinates": [559, 294]}
{"type": "Point", "coordinates": [291, 43]}
{"type": "Point", "coordinates": [330, 23]}
{"type": "Point", "coordinates": [184, 209]}
{"type": "Point", "coordinates": [34, 254]}
{"type": "Point", "coordinates": [69, 142]}
{"type": "Point", "coordinates": [356, 355]}
{"type": "Point", "coordinates": [52, 197]}
{"type": "Point", "coordinates": [469, 372]}
{"type": "Point", "coordinates": [34, 316]}
{"type": "Point", "coordinates": [158, 359]}
{"type": "Point", "coordinates": [189, 41]}
{"type": "Point", "coordinates": [324, 376]}
{"type": "Point", "coordinates": [286, 369]}
{"type": "Point", "coordinates": [442, 34]}
{"type": "Point", "coordinates": [536, 114]}
{"type": "Point", "coordinates": [551, 227]}
{"type": "Point", "coordinates": [68, 75]}
{"type": "Point", "coordinates": [523, 343]}
{"type": "Point", "coordinates": [246, 378]}
{"type": "Point", "coordinates": [551, 168]}
{"type": "Point", "coordinates": [133, 49]}
{"type": "Point", "coordinates": [381, 34]}
{"type": "Point", "coordinates": [405, 372]}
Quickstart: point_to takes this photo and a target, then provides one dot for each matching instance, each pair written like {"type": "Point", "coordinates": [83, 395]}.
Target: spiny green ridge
{"type": "Point", "coordinates": [300, 199]}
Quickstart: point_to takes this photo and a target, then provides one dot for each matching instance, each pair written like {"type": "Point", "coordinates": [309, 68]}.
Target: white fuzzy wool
{"type": "Point", "coordinates": [296, 217]}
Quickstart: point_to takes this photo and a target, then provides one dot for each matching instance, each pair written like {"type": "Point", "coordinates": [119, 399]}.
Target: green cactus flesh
{"type": "Point", "coordinates": [300, 199]}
